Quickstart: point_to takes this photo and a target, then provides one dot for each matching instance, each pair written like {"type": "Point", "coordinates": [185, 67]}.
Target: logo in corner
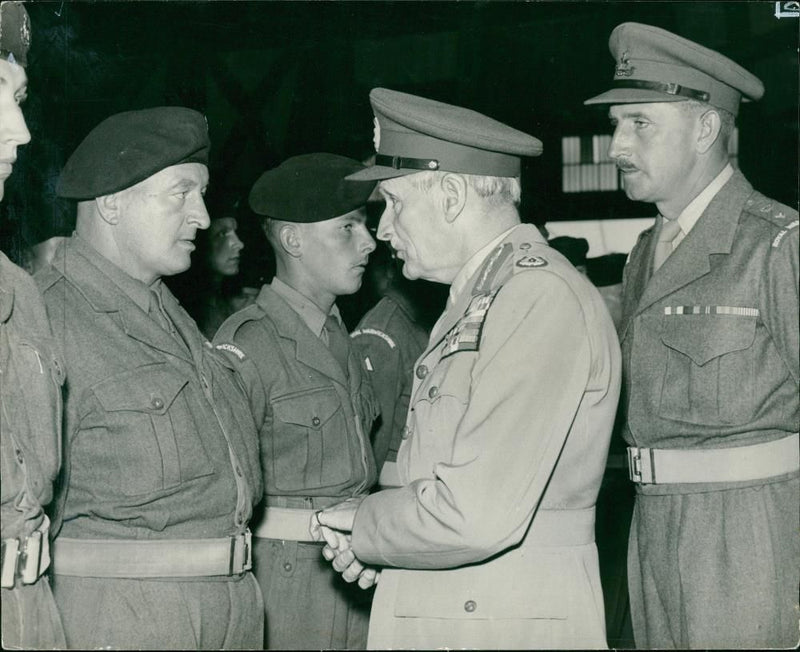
{"type": "Point", "coordinates": [787, 9]}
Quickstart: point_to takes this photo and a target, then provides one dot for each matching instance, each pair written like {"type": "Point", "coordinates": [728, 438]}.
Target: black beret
{"type": "Point", "coordinates": [129, 147]}
{"type": "Point", "coordinates": [15, 32]}
{"type": "Point", "coordinates": [310, 188]}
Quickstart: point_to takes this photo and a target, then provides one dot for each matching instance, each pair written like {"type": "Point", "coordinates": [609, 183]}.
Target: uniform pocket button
{"type": "Point", "coordinates": [315, 422]}
{"type": "Point", "coordinates": [157, 403]}
{"type": "Point", "coordinates": [405, 433]}
{"type": "Point", "coordinates": [470, 606]}
{"type": "Point", "coordinates": [422, 371]}
{"type": "Point", "coordinates": [433, 392]}
{"type": "Point", "coordinates": [287, 567]}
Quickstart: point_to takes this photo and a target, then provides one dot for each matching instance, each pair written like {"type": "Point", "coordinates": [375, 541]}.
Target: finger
{"type": "Point", "coordinates": [331, 538]}
{"type": "Point", "coordinates": [367, 578]}
{"type": "Point", "coordinates": [329, 553]}
{"type": "Point", "coordinates": [353, 571]}
{"type": "Point", "coordinates": [343, 560]}
{"type": "Point", "coordinates": [314, 527]}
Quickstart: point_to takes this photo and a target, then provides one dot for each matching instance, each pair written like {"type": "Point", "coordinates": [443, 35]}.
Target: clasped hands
{"type": "Point", "coordinates": [334, 525]}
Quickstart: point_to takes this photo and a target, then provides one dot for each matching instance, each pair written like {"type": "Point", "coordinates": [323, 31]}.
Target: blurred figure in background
{"type": "Point", "coordinates": [31, 376]}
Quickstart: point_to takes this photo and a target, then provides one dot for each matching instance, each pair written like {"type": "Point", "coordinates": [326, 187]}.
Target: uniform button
{"type": "Point", "coordinates": [315, 421]}
{"type": "Point", "coordinates": [157, 403]}
{"type": "Point", "coordinates": [433, 392]}
{"type": "Point", "coordinates": [422, 371]}
{"type": "Point", "coordinates": [287, 567]}
{"type": "Point", "coordinates": [470, 606]}
{"type": "Point", "coordinates": [525, 246]}
{"type": "Point", "coordinates": [405, 433]}
{"type": "Point", "coordinates": [18, 453]}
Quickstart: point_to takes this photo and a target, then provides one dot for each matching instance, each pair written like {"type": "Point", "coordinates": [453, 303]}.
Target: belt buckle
{"type": "Point", "coordinates": [31, 558]}
{"type": "Point", "coordinates": [10, 556]}
{"type": "Point", "coordinates": [640, 465]}
{"type": "Point", "coordinates": [241, 559]}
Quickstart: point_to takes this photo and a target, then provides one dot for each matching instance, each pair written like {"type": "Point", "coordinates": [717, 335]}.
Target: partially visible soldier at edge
{"type": "Point", "coordinates": [161, 454]}
{"type": "Point", "coordinates": [310, 397]}
{"type": "Point", "coordinates": [710, 350]}
{"type": "Point", "coordinates": [31, 377]}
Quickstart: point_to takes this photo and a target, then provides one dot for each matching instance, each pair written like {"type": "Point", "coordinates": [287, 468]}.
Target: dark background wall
{"type": "Point", "coordinates": [277, 79]}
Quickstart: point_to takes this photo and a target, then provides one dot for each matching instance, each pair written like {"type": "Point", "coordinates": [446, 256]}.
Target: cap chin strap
{"type": "Point", "coordinates": [401, 162]}
{"type": "Point", "coordinates": [668, 88]}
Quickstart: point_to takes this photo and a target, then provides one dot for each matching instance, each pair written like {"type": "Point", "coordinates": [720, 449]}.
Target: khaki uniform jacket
{"type": "Point", "coordinates": [31, 377]}
{"type": "Point", "coordinates": [710, 348]}
{"type": "Point", "coordinates": [161, 443]}
{"type": "Point", "coordinates": [506, 442]}
{"type": "Point", "coordinates": [390, 341]}
{"type": "Point", "coordinates": [314, 424]}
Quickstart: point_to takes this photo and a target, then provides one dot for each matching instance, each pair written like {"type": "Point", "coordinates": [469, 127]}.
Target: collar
{"type": "Point", "coordinates": [134, 289]}
{"type": "Point", "coordinates": [689, 215]}
{"type": "Point", "coordinates": [472, 265]}
{"type": "Point", "coordinates": [6, 290]}
{"type": "Point", "coordinates": [308, 311]}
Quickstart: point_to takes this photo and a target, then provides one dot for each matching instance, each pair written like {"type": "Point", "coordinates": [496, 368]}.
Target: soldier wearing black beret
{"type": "Point", "coordinates": [31, 376]}
{"type": "Point", "coordinates": [309, 394]}
{"type": "Point", "coordinates": [710, 348]}
{"type": "Point", "coordinates": [161, 470]}
{"type": "Point", "coordinates": [488, 539]}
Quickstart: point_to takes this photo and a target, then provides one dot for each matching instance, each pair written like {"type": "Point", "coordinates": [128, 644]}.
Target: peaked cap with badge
{"type": "Point", "coordinates": [310, 188]}
{"type": "Point", "coordinates": [129, 147]}
{"type": "Point", "coordinates": [654, 65]}
{"type": "Point", "coordinates": [15, 32]}
{"type": "Point", "coordinates": [414, 134]}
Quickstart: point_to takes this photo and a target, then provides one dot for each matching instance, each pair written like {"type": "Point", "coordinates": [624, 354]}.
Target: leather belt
{"type": "Point", "coordinates": [285, 523]}
{"type": "Point", "coordinates": [25, 559]}
{"type": "Point", "coordinates": [137, 559]}
{"type": "Point", "coordinates": [742, 463]}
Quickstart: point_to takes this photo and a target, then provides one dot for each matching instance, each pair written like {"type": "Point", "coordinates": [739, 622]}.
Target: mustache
{"type": "Point", "coordinates": [625, 165]}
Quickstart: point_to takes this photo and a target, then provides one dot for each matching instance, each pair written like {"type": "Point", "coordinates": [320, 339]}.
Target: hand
{"type": "Point", "coordinates": [342, 515]}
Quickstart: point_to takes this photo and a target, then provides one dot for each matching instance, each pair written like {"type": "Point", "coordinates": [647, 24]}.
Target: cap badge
{"type": "Point", "coordinates": [376, 134]}
{"type": "Point", "coordinates": [624, 67]}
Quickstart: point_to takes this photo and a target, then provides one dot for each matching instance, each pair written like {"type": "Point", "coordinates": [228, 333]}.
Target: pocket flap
{"type": "Point", "coordinates": [151, 388]}
{"type": "Point", "coordinates": [311, 408]}
{"type": "Point", "coordinates": [703, 338]}
{"type": "Point", "coordinates": [528, 589]}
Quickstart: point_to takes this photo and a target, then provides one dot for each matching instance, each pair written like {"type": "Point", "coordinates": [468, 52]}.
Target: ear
{"type": "Point", "coordinates": [108, 207]}
{"type": "Point", "coordinates": [709, 126]}
{"type": "Point", "coordinates": [291, 240]}
{"type": "Point", "coordinates": [454, 195]}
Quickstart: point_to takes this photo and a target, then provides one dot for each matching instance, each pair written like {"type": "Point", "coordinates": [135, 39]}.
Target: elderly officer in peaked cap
{"type": "Point", "coordinates": [30, 394]}
{"type": "Point", "coordinates": [161, 464]}
{"type": "Point", "coordinates": [710, 348]}
{"type": "Point", "coordinates": [310, 397]}
{"type": "Point", "coordinates": [489, 539]}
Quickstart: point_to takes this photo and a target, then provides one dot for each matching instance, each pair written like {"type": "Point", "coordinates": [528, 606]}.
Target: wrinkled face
{"type": "Point", "coordinates": [13, 131]}
{"type": "Point", "coordinates": [411, 223]}
{"type": "Point", "coordinates": [158, 220]}
{"type": "Point", "coordinates": [653, 148]}
{"type": "Point", "coordinates": [225, 246]}
{"type": "Point", "coordinates": [334, 255]}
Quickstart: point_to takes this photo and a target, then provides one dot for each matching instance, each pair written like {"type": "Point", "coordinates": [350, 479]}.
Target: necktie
{"type": "Point", "coordinates": [669, 229]}
{"type": "Point", "coordinates": [338, 341]}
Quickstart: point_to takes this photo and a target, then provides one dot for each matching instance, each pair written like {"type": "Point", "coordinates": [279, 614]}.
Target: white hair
{"type": "Point", "coordinates": [500, 190]}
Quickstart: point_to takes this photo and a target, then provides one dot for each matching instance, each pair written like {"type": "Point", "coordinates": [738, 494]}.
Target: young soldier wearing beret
{"type": "Point", "coordinates": [30, 393]}
{"type": "Point", "coordinates": [490, 539]}
{"type": "Point", "coordinates": [309, 395]}
{"type": "Point", "coordinates": [161, 464]}
{"type": "Point", "coordinates": [710, 347]}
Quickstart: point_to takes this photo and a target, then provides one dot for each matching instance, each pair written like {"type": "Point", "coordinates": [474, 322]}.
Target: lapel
{"type": "Point", "coordinates": [712, 234]}
{"type": "Point", "coordinates": [104, 296]}
{"type": "Point", "coordinates": [308, 348]}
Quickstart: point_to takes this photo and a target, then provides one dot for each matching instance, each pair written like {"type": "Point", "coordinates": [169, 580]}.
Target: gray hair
{"type": "Point", "coordinates": [500, 190]}
{"type": "Point", "coordinates": [727, 119]}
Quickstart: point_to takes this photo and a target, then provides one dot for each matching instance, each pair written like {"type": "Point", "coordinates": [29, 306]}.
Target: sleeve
{"type": "Point", "coordinates": [781, 300]}
{"type": "Point", "coordinates": [384, 366]}
{"type": "Point", "coordinates": [526, 388]}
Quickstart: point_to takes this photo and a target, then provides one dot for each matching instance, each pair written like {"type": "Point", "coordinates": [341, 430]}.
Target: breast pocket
{"type": "Point", "coordinates": [152, 430]}
{"type": "Point", "coordinates": [710, 368]}
{"type": "Point", "coordinates": [310, 440]}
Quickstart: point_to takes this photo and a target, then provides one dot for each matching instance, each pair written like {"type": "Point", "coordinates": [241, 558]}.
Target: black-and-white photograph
{"type": "Point", "coordinates": [348, 325]}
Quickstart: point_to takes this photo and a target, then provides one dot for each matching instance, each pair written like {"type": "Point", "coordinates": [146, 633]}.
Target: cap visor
{"type": "Point", "coordinates": [378, 172]}
{"type": "Point", "coordinates": [632, 96]}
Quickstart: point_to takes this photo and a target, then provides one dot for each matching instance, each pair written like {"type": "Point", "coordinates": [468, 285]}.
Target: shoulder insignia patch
{"type": "Point", "coordinates": [777, 241]}
{"type": "Point", "coordinates": [770, 210]}
{"type": "Point", "coordinates": [232, 349]}
{"type": "Point", "coordinates": [532, 261]}
{"type": "Point", "coordinates": [376, 333]}
{"type": "Point", "coordinates": [466, 334]}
